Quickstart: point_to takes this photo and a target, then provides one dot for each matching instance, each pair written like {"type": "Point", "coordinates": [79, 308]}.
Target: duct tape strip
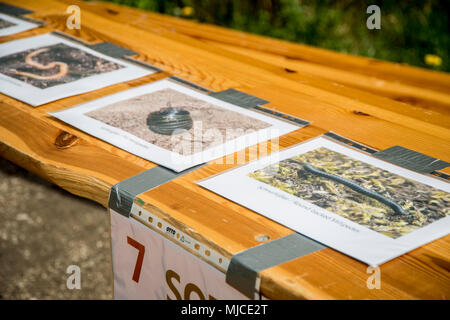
{"type": "Point", "coordinates": [245, 266]}
{"type": "Point", "coordinates": [13, 10]}
{"type": "Point", "coordinates": [122, 194]}
{"type": "Point", "coordinates": [180, 237]}
{"type": "Point", "coordinates": [441, 175]}
{"type": "Point", "coordinates": [70, 38]}
{"type": "Point", "coordinates": [400, 156]}
{"type": "Point", "coordinates": [190, 84]}
{"type": "Point", "coordinates": [239, 98]}
{"type": "Point", "coordinates": [283, 116]}
{"type": "Point", "coordinates": [411, 159]}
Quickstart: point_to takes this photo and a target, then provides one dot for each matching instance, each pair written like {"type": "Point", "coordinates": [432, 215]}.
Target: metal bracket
{"type": "Point", "coordinates": [18, 12]}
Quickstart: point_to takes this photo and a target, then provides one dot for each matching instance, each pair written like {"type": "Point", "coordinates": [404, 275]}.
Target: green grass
{"type": "Point", "coordinates": [409, 29]}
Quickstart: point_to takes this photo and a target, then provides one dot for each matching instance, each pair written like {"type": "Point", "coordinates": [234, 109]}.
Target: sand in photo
{"type": "Point", "coordinates": [131, 116]}
{"type": "Point", "coordinates": [6, 24]}
{"type": "Point", "coordinates": [49, 66]}
{"type": "Point", "coordinates": [420, 203]}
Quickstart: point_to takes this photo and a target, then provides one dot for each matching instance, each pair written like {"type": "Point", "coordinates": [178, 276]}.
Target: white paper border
{"type": "Point", "coordinates": [76, 117]}
{"type": "Point", "coordinates": [36, 96]}
{"type": "Point", "coordinates": [365, 245]}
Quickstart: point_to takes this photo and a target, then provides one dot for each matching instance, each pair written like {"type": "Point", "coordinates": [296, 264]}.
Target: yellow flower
{"type": "Point", "coordinates": [433, 60]}
{"type": "Point", "coordinates": [187, 11]}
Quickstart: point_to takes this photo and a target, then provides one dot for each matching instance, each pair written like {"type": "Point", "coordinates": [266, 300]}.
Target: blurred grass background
{"type": "Point", "coordinates": [412, 32]}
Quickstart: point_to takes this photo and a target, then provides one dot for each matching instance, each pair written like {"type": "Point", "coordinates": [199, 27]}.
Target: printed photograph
{"type": "Point", "coordinates": [53, 65]}
{"type": "Point", "coordinates": [155, 118]}
{"type": "Point", "coordinates": [5, 24]}
{"type": "Point", "coordinates": [372, 197]}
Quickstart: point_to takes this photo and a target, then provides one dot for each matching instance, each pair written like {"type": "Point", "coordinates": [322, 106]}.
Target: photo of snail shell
{"type": "Point", "coordinates": [169, 121]}
{"type": "Point", "coordinates": [49, 66]}
{"type": "Point", "coordinates": [375, 198]}
{"type": "Point", "coordinates": [159, 116]}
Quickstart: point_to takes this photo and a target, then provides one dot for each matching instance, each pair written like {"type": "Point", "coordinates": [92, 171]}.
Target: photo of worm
{"type": "Point", "coordinates": [49, 66]}
{"type": "Point", "coordinates": [372, 197]}
{"type": "Point", "coordinates": [5, 24]}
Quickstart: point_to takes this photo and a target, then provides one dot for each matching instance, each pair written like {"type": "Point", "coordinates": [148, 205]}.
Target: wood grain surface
{"type": "Point", "coordinates": [376, 103]}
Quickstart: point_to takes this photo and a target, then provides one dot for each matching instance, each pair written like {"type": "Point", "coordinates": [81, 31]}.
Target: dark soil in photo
{"type": "Point", "coordinates": [421, 203]}
{"type": "Point", "coordinates": [49, 66]}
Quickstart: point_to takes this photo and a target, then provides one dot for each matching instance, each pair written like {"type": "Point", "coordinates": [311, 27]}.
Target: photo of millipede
{"type": "Point", "coordinates": [54, 65]}
{"type": "Point", "coordinates": [372, 197]}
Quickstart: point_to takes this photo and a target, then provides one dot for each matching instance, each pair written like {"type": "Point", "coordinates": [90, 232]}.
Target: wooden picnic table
{"type": "Point", "coordinates": [377, 103]}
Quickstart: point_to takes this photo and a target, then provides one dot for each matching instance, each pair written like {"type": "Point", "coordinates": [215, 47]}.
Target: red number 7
{"type": "Point", "coordinates": [140, 257]}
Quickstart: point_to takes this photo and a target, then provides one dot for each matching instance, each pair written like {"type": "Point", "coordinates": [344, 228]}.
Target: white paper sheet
{"type": "Point", "coordinates": [69, 69]}
{"type": "Point", "coordinates": [121, 119]}
{"type": "Point", "coordinates": [334, 214]}
{"type": "Point", "coordinates": [14, 25]}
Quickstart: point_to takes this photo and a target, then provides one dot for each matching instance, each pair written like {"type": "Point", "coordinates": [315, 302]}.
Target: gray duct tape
{"type": "Point", "coordinates": [352, 143]}
{"type": "Point", "coordinates": [244, 266]}
{"type": "Point", "coordinates": [142, 63]}
{"type": "Point", "coordinates": [411, 159]}
{"type": "Point", "coordinates": [238, 98]}
{"type": "Point", "coordinates": [122, 194]}
{"type": "Point", "coordinates": [13, 10]}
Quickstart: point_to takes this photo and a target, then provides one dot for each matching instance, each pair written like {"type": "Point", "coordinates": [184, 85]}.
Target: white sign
{"type": "Point", "coordinates": [209, 128]}
{"type": "Point", "coordinates": [46, 67]}
{"type": "Point", "coordinates": [11, 25]}
{"type": "Point", "coordinates": [367, 208]}
{"type": "Point", "coordinates": [146, 265]}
